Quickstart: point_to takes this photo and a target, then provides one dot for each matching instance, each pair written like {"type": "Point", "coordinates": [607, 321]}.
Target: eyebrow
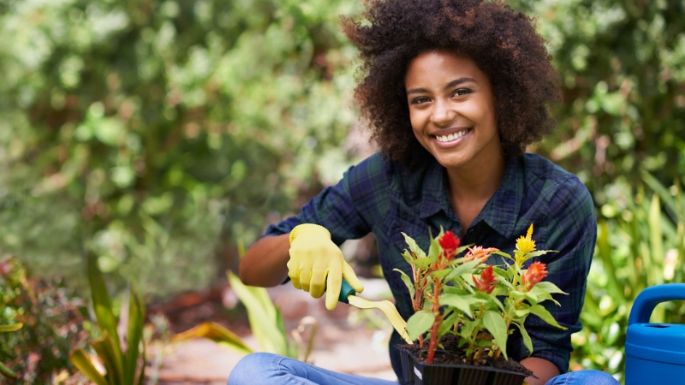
{"type": "Point", "coordinates": [449, 85]}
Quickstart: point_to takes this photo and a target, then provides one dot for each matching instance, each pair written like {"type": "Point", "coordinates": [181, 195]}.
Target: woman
{"type": "Point", "coordinates": [454, 90]}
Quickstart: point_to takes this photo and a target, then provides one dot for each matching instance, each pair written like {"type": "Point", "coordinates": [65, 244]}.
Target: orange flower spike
{"type": "Point", "coordinates": [486, 283]}
{"type": "Point", "coordinates": [449, 243]}
{"type": "Point", "coordinates": [537, 271]}
{"type": "Point", "coordinates": [479, 252]}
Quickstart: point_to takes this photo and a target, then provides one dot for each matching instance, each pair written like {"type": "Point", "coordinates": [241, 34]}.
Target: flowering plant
{"type": "Point", "coordinates": [477, 303]}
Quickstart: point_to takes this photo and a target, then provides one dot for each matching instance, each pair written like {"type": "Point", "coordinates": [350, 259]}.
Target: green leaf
{"type": "Point", "coordinates": [7, 372]}
{"type": "Point", "coordinates": [434, 250]}
{"type": "Point", "coordinates": [112, 358]}
{"type": "Point", "coordinates": [655, 232]}
{"type": "Point", "coordinates": [495, 324]}
{"type": "Point", "coordinates": [422, 263]}
{"type": "Point", "coordinates": [547, 287]}
{"type": "Point", "coordinates": [462, 248]}
{"type": "Point", "coordinates": [136, 321]}
{"type": "Point", "coordinates": [467, 328]}
{"type": "Point", "coordinates": [662, 191]}
{"type": "Point", "coordinates": [407, 282]}
{"type": "Point", "coordinates": [265, 322]}
{"type": "Point", "coordinates": [462, 303]}
{"type": "Point", "coordinates": [413, 246]}
{"type": "Point", "coordinates": [440, 274]}
{"type": "Point", "coordinates": [450, 319]}
{"type": "Point", "coordinates": [216, 333]}
{"type": "Point", "coordinates": [83, 364]}
{"type": "Point", "coordinates": [503, 254]}
{"type": "Point", "coordinates": [467, 267]}
{"type": "Point", "coordinates": [538, 253]}
{"type": "Point", "coordinates": [408, 257]}
{"type": "Point", "coordinates": [545, 315]}
{"type": "Point", "coordinates": [527, 342]}
{"type": "Point", "coordinates": [419, 323]}
{"type": "Point", "coordinates": [102, 304]}
{"type": "Point", "coordinates": [504, 275]}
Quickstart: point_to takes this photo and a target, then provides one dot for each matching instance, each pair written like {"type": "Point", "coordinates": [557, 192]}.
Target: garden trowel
{"type": "Point", "coordinates": [348, 295]}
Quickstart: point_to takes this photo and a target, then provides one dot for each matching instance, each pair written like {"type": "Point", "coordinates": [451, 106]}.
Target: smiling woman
{"type": "Point", "coordinates": [452, 114]}
{"type": "Point", "coordinates": [453, 90]}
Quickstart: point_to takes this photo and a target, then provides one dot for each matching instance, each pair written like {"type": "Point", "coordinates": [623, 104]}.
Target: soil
{"type": "Point", "coordinates": [451, 354]}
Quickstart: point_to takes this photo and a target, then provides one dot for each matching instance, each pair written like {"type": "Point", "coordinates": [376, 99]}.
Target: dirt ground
{"type": "Point", "coordinates": [348, 340]}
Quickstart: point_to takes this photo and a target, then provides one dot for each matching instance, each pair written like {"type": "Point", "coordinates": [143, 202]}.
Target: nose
{"type": "Point", "coordinates": [442, 114]}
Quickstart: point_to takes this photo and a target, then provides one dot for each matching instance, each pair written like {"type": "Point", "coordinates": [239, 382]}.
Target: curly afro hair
{"type": "Point", "coordinates": [502, 42]}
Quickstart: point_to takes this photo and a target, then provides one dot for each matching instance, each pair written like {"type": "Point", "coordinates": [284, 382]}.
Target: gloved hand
{"type": "Point", "coordinates": [316, 264]}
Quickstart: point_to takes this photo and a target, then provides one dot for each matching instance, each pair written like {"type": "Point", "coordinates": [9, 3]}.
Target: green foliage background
{"type": "Point", "coordinates": [161, 131]}
{"type": "Point", "coordinates": [160, 134]}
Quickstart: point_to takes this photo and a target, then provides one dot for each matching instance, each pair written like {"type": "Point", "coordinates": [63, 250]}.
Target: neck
{"type": "Point", "coordinates": [469, 184]}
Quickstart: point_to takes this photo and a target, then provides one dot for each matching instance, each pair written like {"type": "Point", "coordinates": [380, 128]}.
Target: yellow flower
{"type": "Point", "coordinates": [525, 245]}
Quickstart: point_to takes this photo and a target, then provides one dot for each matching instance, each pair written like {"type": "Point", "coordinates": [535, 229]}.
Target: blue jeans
{"type": "Point", "coordinates": [272, 369]}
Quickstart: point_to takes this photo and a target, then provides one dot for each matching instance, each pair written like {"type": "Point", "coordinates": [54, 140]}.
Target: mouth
{"type": "Point", "coordinates": [452, 137]}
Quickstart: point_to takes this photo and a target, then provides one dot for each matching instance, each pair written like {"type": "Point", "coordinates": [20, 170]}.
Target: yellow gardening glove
{"type": "Point", "coordinates": [316, 264]}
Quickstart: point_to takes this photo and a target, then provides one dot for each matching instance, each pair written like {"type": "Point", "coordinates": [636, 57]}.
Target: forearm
{"type": "Point", "coordinates": [543, 370]}
{"type": "Point", "coordinates": [265, 262]}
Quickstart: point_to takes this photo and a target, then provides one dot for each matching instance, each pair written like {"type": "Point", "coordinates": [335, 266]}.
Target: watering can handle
{"type": "Point", "coordinates": [652, 296]}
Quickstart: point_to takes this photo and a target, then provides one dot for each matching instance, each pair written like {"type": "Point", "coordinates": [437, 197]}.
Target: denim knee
{"type": "Point", "coordinates": [601, 378]}
{"type": "Point", "coordinates": [254, 368]}
{"type": "Point", "coordinates": [583, 377]}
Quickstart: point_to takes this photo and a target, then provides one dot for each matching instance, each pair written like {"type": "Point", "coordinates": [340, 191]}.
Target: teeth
{"type": "Point", "coordinates": [451, 137]}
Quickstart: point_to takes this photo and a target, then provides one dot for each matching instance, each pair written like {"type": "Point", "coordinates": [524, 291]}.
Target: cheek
{"type": "Point", "coordinates": [415, 120]}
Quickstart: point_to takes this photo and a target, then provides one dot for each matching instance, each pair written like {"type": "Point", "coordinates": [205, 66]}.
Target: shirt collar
{"type": "Point", "coordinates": [501, 210]}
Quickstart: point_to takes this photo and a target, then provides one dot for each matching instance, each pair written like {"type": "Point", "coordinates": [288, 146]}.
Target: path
{"type": "Point", "coordinates": [348, 340]}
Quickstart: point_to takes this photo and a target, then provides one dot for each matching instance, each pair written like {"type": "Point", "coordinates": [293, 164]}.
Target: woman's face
{"type": "Point", "coordinates": [452, 110]}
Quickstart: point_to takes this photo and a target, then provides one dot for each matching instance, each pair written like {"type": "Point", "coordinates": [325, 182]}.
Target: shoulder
{"type": "Point", "coordinates": [370, 171]}
{"type": "Point", "coordinates": [552, 179]}
{"type": "Point", "coordinates": [561, 192]}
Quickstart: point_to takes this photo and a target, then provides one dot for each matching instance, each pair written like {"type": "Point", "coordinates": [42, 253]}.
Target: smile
{"type": "Point", "coordinates": [451, 137]}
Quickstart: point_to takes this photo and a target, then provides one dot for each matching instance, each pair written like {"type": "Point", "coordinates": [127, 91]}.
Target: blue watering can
{"type": "Point", "coordinates": [655, 353]}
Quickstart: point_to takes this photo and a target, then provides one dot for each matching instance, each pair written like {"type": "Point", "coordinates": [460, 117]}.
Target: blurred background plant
{"type": "Point", "coordinates": [640, 243]}
{"type": "Point", "coordinates": [266, 325]}
{"type": "Point", "coordinates": [121, 355]}
{"type": "Point", "coordinates": [163, 133]}
{"type": "Point", "coordinates": [52, 319]}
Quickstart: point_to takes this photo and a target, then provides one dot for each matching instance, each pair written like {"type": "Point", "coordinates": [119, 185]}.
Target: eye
{"type": "Point", "coordinates": [419, 100]}
{"type": "Point", "coordinates": [461, 92]}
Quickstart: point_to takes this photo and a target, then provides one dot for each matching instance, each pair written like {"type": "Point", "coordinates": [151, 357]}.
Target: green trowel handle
{"type": "Point", "coordinates": [345, 291]}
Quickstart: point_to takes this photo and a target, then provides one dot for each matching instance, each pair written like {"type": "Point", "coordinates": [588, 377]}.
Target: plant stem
{"type": "Point", "coordinates": [435, 299]}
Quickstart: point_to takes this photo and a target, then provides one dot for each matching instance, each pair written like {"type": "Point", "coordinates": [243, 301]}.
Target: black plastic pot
{"type": "Point", "coordinates": [415, 372]}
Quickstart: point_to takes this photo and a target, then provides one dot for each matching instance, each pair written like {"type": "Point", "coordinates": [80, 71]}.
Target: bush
{"type": "Point", "coordinates": [52, 318]}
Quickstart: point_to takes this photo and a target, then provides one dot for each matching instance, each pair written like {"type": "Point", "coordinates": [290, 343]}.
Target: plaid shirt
{"type": "Point", "coordinates": [387, 199]}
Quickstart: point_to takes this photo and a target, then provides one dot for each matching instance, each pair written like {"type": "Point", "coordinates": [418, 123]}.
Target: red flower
{"type": "Point", "coordinates": [537, 271]}
{"type": "Point", "coordinates": [486, 282]}
{"type": "Point", "coordinates": [449, 243]}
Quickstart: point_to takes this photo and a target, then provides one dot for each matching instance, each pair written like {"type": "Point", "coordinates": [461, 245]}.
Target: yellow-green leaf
{"type": "Point", "coordinates": [527, 342]}
{"type": "Point", "coordinates": [83, 364]}
{"type": "Point", "coordinates": [10, 327]}
{"type": "Point", "coordinates": [545, 315]}
{"type": "Point", "coordinates": [407, 282]}
{"type": "Point", "coordinates": [265, 321]}
{"type": "Point", "coordinates": [496, 326]}
{"type": "Point", "coordinates": [461, 303]}
{"type": "Point", "coordinates": [419, 323]}
{"type": "Point", "coordinates": [136, 321]}
{"type": "Point", "coordinates": [216, 333]}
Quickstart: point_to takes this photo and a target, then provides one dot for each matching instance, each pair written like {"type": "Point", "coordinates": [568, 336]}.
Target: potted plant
{"type": "Point", "coordinates": [465, 309]}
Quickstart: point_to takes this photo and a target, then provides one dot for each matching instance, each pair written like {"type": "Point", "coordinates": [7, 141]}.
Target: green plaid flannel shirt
{"type": "Point", "coordinates": [385, 198]}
